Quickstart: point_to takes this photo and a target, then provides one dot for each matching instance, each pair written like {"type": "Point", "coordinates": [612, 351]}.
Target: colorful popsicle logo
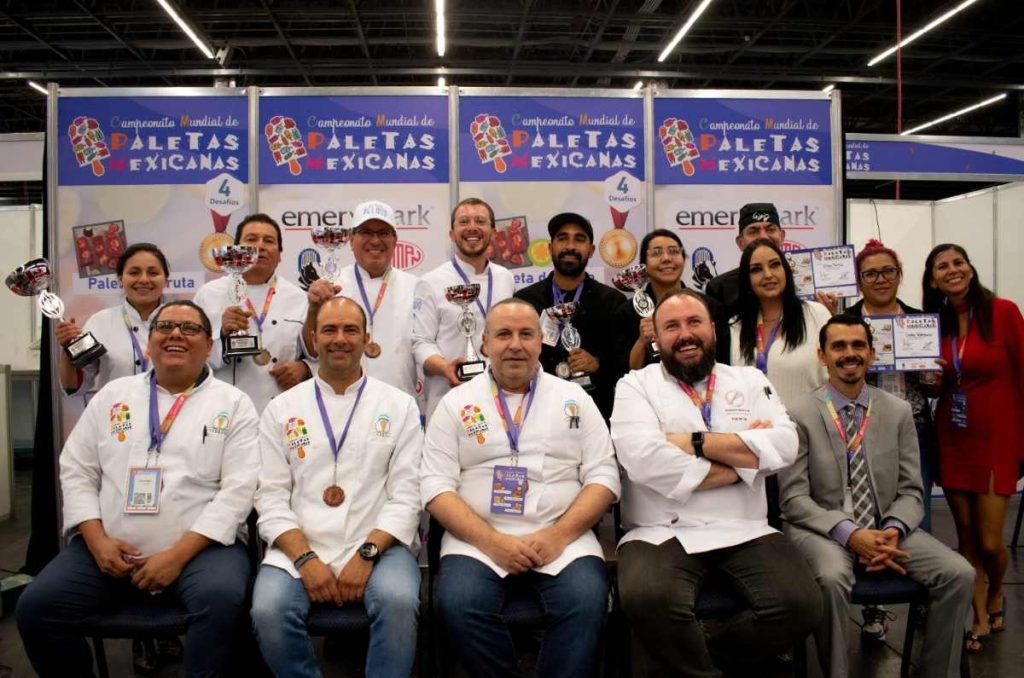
{"type": "Point", "coordinates": [88, 143]}
{"type": "Point", "coordinates": [679, 144]}
{"type": "Point", "coordinates": [285, 142]}
{"type": "Point", "coordinates": [491, 140]}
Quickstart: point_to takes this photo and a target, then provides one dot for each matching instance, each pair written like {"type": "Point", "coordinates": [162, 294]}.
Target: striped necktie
{"type": "Point", "coordinates": [860, 488]}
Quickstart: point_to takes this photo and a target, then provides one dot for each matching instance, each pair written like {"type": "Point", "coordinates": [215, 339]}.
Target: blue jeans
{"type": "Point", "coordinates": [56, 609]}
{"type": "Point", "coordinates": [280, 607]}
{"type": "Point", "coordinates": [470, 598]}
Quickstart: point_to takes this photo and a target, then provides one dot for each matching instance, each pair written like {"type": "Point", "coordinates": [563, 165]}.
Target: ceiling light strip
{"type": "Point", "coordinates": [183, 25]}
{"type": "Point", "coordinates": [952, 115]}
{"type": "Point", "coordinates": [684, 30]}
{"type": "Point", "coordinates": [917, 34]}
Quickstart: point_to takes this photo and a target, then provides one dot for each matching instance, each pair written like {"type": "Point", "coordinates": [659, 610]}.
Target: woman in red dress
{"type": "Point", "coordinates": [978, 418]}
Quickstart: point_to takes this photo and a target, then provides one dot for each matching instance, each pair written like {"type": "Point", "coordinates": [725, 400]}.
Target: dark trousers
{"type": "Point", "coordinates": [53, 611]}
{"type": "Point", "coordinates": [658, 585]}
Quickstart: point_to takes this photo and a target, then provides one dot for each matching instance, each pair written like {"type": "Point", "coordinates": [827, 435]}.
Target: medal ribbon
{"type": "Point", "coordinates": [136, 348]}
{"type": "Point", "coordinates": [853, 445]}
{"type": "Point", "coordinates": [490, 286]}
{"type": "Point", "coordinates": [761, 359]}
{"type": "Point", "coordinates": [158, 429]}
{"type": "Point", "coordinates": [513, 425]}
{"type": "Point", "coordinates": [271, 291]}
{"type": "Point", "coordinates": [558, 296]}
{"type": "Point", "coordinates": [958, 348]}
{"type": "Point", "coordinates": [336, 445]}
{"type": "Point", "coordinates": [380, 294]}
{"type": "Point", "coordinates": [704, 405]}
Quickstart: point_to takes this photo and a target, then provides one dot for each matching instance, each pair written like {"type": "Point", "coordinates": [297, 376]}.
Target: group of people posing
{"type": "Point", "coordinates": [708, 421]}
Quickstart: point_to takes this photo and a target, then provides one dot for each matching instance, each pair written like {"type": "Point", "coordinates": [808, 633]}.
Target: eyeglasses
{"type": "Point", "coordinates": [890, 273]}
{"type": "Point", "coordinates": [370, 233]}
{"type": "Point", "coordinates": [479, 221]}
{"type": "Point", "coordinates": [189, 329]}
{"type": "Point", "coordinates": [671, 251]}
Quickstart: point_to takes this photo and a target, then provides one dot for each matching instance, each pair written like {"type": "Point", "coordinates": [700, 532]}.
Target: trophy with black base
{"type": "Point", "coordinates": [463, 296]}
{"type": "Point", "coordinates": [634, 279]}
{"type": "Point", "coordinates": [236, 260]}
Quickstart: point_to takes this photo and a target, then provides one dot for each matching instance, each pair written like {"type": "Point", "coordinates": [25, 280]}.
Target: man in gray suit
{"type": "Point", "coordinates": [852, 502]}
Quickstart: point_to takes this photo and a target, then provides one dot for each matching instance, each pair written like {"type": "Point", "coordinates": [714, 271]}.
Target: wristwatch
{"type": "Point", "coordinates": [369, 551]}
{"type": "Point", "coordinates": [697, 440]}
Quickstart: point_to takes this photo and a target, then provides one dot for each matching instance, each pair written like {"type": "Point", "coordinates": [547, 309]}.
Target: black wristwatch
{"type": "Point", "coordinates": [697, 440]}
{"type": "Point", "coordinates": [369, 551]}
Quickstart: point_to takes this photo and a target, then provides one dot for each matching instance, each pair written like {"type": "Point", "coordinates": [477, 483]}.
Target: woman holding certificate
{"type": "Point", "coordinates": [978, 419]}
{"type": "Point", "coordinates": [880, 272]}
{"type": "Point", "coordinates": [775, 330]}
{"type": "Point", "coordinates": [123, 329]}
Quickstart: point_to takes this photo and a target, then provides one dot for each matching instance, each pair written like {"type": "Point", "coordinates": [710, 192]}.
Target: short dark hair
{"type": "Point", "coordinates": [132, 250]}
{"type": "Point", "coordinates": [685, 292]}
{"type": "Point", "coordinates": [473, 201]}
{"type": "Point", "coordinates": [204, 319]}
{"type": "Point", "coordinates": [362, 313]}
{"type": "Point", "coordinates": [845, 319]}
{"type": "Point", "coordinates": [658, 233]}
{"type": "Point", "coordinates": [261, 218]}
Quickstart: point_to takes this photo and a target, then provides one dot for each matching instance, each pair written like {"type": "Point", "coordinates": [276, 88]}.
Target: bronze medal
{"type": "Point", "coordinates": [372, 350]}
{"type": "Point", "coordinates": [262, 358]}
{"type": "Point", "coordinates": [334, 496]}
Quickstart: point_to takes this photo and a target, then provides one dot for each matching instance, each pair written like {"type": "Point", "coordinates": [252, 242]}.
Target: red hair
{"type": "Point", "coordinates": [875, 246]}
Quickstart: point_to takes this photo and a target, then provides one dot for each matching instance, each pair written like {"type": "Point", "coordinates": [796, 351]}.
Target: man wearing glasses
{"type": "Point", "coordinates": [385, 294]}
{"type": "Point", "coordinates": [438, 341]}
{"type": "Point", "coordinates": [157, 479]}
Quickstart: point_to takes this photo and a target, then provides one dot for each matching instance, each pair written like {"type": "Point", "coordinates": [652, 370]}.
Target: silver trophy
{"type": "Point", "coordinates": [634, 279]}
{"type": "Point", "coordinates": [463, 296]}
{"type": "Point", "coordinates": [33, 279]}
{"type": "Point", "coordinates": [570, 339]}
{"type": "Point", "coordinates": [236, 260]}
{"type": "Point", "coordinates": [331, 238]}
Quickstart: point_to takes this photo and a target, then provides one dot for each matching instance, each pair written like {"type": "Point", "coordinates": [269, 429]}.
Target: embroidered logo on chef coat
{"type": "Point", "coordinates": [736, 406]}
{"type": "Point", "coordinates": [298, 436]}
{"type": "Point", "coordinates": [572, 413]}
{"type": "Point", "coordinates": [735, 398]}
{"type": "Point", "coordinates": [219, 426]}
{"type": "Point", "coordinates": [382, 427]}
{"type": "Point", "coordinates": [120, 421]}
{"type": "Point", "coordinates": [474, 422]}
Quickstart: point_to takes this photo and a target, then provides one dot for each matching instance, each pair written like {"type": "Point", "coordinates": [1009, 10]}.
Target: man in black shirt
{"type": "Point", "coordinates": [604, 318]}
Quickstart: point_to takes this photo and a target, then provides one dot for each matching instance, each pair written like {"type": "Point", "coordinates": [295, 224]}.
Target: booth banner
{"type": "Point", "coordinates": [321, 155]}
{"type": "Point", "coordinates": [532, 157]}
{"type": "Point", "coordinates": [890, 156]}
{"type": "Point", "coordinates": [713, 155]}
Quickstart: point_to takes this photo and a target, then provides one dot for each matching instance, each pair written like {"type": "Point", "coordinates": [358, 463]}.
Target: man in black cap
{"type": "Point", "coordinates": [757, 220]}
{"type": "Point", "coordinates": [604, 318]}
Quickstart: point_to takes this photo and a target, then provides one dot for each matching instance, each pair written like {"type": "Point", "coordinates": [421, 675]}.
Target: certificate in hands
{"type": "Point", "coordinates": [905, 343]}
{"type": "Point", "coordinates": [824, 269]}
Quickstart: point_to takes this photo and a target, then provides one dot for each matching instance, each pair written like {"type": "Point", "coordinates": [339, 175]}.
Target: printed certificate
{"type": "Point", "coordinates": [905, 343]}
{"type": "Point", "coordinates": [824, 269]}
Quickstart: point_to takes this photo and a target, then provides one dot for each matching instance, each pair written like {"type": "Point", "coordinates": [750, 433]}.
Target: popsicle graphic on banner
{"type": "Point", "coordinates": [679, 144]}
{"type": "Point", "coordinates": [285, 142]}
{"type": "Point", "coordinates": [88, 143]}
{"type": "Point", "coordinates": [491, 140]}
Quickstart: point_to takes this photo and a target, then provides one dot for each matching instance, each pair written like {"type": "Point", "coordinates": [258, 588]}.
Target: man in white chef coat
{"type": "Point", "coordinates": [696, 439]}
{"type": "Point", "coordinates": [338, 502]}
{"type": "Point", "coordinates": [438, 340]}
{"type": "Point", "coordinates": [274, 309]}
{"type": "Point", "coordinates": [157, 479]}
{"type": "Point", "coordinates": [384, 292]}
{"type": "Point", "coordinates": [518, 466]}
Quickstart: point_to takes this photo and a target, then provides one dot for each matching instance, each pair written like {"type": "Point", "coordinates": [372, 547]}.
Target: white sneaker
{"type": "Point", "coordinates": [876, 623]}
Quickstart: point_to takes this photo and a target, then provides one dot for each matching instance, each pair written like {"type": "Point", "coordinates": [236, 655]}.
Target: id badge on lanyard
{"type": "Point", "coordinates": [143, 492]}
{"type": "Point", "coordinates": [958, 407]}
{"type": "Point", "coordinates": [509, 484]}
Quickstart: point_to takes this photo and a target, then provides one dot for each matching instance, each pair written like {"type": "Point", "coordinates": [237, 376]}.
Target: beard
{"type": "Point", "coordinates": [569, 266]}
{"type": "Point", "coordinates": [840, 364]}
{"type": "Point", "coordinates": [693, 373]}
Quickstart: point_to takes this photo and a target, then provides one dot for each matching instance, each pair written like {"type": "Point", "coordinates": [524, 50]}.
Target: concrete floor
{"type": "Point", "coordinates": [1002, 652]}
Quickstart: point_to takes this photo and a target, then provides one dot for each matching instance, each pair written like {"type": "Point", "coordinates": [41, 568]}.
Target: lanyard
{"type": "Point", "coordinates": [158, 429]}
{"type": "Point", "coordinates": [490, 286]}
{"type": "Point", "coordinates": [558, 296]}
{"type": "Point", "coordinates": [271, 291]}
{"type": "Point", "coordinates": [704, 405]}
{"type": "Point", "coordinates": [513, 425]}
{"type": "Point", "coordinates": [140, 358]}
{"type": "Point", "coordinates": [959, 348]}
{"type": "Point", "coordinates": [380, 293]}
{"type": "Point", "coordinates": [336, 445]}
{"type": "Point", "coordinates": [761, 360]}
{"type": "Point", "coordinates": [853, 445]}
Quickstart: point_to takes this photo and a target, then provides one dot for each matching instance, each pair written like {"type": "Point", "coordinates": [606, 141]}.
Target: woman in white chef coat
{"type": "Point", "coordinates": [123, 329]}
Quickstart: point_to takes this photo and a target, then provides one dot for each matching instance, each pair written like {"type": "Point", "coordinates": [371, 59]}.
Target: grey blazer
{"type": "Point", "coordinates": [811, 490]}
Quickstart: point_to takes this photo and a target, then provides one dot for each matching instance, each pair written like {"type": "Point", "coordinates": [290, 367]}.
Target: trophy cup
{"type": "Point", "coordinates": [570, 338]}
{"type": "Point", "coordinates": [236, 260]}
{"type": "Point", "coordinates": [331, 238]}
{"type": "Point", "coordinates": [33, 279]}
{"type": "Point", "coordinates": [463, 296]}
{"type": "Point", "coordinates": [634, 278]}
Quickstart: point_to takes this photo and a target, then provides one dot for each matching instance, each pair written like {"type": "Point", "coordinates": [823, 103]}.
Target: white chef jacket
{"type": "Point", "coordinates": [282, 334]}
{"type": "Point", "coordinates": [436, 320]}
{"type": "Point", "coordinates": [209, 462]}
{"type": "Point", "coordinates": [560, 460]}
{"type": "Point", "coordinates": [120, 360]}
{"type": "Point", "coordinates": [392, 324]}
{"type": "Point", "coordinates": [378, 469]}
{"type": "Point", "coordinates": [660, 498]}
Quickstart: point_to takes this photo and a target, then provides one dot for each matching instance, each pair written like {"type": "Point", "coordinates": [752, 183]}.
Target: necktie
{"type": "Point", "coordinates": [860, 488]}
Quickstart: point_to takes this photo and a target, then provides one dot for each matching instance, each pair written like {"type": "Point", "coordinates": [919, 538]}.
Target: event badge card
{"type": "Point", "coordinates": [824, 269]}
{"type": "Point", "coordinates": [508, 490]}
{"type": "Point", "coordinates": [905, 343]}
{"type": "Point", "coordinates": [143, 492]}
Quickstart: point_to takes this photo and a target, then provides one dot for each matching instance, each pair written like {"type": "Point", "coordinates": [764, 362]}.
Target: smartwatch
{"type": "Point", "coordinates": [369, 551]}
{"type": "Point", "coordinates": [697, 440]}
